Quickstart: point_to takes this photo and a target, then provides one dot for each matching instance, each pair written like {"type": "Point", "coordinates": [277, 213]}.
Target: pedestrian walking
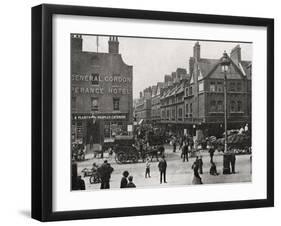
{"type": "Point", "coordinates": [232, 162]}
{"type": "Point", "coordinates": [105, 171]}
{"type": "Point", "coordinates": [196, 177]}
{"type": "Point", "coordinates": [200, 164]}
{"type": "Point", "coordinates": [213, 169]}
{"type": "Point", "coordinates": [124, 181]}
{"type": "Point", "coordinates": [147, 168]}
{"type": "Point", "coordinates": [162, 165]}
{"type": "Point", "coordinates": [131, 184]}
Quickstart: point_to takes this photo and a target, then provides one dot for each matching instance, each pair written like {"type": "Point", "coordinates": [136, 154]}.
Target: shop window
{"type": "Point", "coordinates": [95, 79]}
{"type": "Point", "coordinates": [116, 104]}
{"type": "Point", "coordinates": [94, 104]}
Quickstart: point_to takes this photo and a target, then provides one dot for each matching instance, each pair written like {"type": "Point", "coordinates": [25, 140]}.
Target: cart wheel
{"type": "Point", "coordinates": [92, 179]}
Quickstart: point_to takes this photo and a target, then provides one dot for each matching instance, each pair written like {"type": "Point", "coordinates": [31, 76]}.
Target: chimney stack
{"type": "Point", "coordinates": [196, 51]}
{"type": "Point", "coordinates": [76, 42]}
{"type": "Point", "coordinates": [113, 45]}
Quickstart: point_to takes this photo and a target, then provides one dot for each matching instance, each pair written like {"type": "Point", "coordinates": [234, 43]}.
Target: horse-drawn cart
{"type": "Point", "coordinates": [127, 149]}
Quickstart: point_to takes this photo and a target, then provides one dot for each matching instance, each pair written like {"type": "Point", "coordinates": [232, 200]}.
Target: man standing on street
{"type": "Point", "coordinates": [232, 162]}
{"type": "Point", "coordinates": [105, 171]}
{"type": "Point", "coordinates": [162, 165]}
{"type": "Point", "coordinates": [200, 165]}
{"type": "Point", "coordinates": [174, 145]}
{"type": "Point", "coordinates": [185, 152]}
{"type": "Point", "coordinates": [211, 152]}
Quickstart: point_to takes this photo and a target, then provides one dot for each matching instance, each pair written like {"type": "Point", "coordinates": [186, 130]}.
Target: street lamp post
{"type": "Point", "coordinates": [225, 62]}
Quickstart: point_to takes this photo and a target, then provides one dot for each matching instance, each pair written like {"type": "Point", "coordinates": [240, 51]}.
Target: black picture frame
{"type": "Point", "coordinates": [42, 111]}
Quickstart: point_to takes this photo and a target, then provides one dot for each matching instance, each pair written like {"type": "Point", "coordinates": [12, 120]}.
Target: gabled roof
{"type": "Point", "coordinates": [210, 68]}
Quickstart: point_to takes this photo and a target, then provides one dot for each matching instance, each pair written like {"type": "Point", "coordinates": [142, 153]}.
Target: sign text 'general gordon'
{"type": "Point", "coordinates": [98, 78]}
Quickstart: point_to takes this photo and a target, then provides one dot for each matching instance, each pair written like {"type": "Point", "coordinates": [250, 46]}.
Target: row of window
{"type": "Point", "coordinates": [216, 87]}
{"type": "Point", "coordinates": [95, 103]}
{"type": "Point", "coordinates": [166, 114]}
{"type": "Point", "coordinates": [231, 86]}
{"type": "Point", "coordinates": [215, 106]}
{"type": "Point", "coordinates": [218, 106]}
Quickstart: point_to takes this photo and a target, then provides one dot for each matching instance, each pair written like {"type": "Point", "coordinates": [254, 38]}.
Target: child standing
{"type": "Point", "coordinates": [147, 168]}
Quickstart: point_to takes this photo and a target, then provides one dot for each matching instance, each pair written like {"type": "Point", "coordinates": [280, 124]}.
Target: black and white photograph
{"type": "Point", "coordinates": [159, 112]}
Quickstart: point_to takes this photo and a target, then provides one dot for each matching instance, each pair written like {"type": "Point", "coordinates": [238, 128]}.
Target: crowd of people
{"type": "Point", "coordinates": [183, 144]}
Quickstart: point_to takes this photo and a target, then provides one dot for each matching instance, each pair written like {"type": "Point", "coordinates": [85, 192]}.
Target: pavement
{"type": "Point", "coordinates": [178, 173]}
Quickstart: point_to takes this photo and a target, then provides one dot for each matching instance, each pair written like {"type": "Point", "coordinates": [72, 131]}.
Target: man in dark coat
{"type": "Point", "coordinates": [162, 165]}
{"type": "Point", "coordinates": [211, 152]}
{"type": "Point", "coordinates": [185, 152]}
{"type": "Point", "coordinates": [124, 180]}
{"type": "Point", "coordinates": [105, 171]}
{"type": "Point", "coordinates": [174, 145]}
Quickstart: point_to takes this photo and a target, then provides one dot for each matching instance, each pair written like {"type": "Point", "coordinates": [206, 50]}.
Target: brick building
{"type": "Point", "coordinates": [172, 107]}
{"type": "Point", "coordinates": [204, 94]}
{"type": "Point", "coordinates": [101, 86]}
{"type": "Point", "coordinates": [195, 102]}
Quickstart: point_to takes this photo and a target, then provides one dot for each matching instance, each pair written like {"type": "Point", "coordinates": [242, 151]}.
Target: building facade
{"type": "Point", "coordinates": [101, 90]}
{"type": "Point", "coordinates": [194, 103]}
{"type": "Point", "coordinates": [156, 104]}
{"type": "Point", "coordinates": [204, 94]}
{"type": "Point", "coordinates": [142, 110]}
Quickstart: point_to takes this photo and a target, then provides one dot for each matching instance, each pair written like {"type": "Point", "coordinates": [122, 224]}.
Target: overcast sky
{"type": "Point", "coordinates": [153, 58]}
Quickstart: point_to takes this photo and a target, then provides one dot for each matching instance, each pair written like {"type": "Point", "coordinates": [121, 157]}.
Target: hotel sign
{"type": "Point", "coordinates": [97, 78]}
{"type": "Point", "coordinates": [97, 84]}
